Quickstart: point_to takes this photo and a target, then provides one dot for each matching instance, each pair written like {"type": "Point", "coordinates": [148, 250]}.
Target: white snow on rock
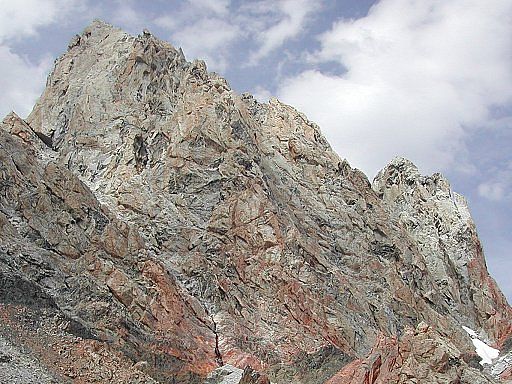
{"type": "Point", "coordinates": [486, 353]}
{"type": "Point", "coordinates": [470, 331]}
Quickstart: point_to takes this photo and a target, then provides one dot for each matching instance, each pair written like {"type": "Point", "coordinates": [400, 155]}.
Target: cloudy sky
{"type": "Point", "coordinates": [430, 80]}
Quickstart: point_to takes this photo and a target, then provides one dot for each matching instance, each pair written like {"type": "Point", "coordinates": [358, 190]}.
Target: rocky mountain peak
{"type": "Point", "coordinates": [403, 173]}
{"type": "Point", "coordinates": [179, 227]}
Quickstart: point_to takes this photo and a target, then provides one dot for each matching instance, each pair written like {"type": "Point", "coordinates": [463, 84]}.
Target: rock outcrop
{"type": "Point", "coordinates": [160, 226]}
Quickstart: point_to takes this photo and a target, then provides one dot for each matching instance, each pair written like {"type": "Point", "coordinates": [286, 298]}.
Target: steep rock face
{"type": "Point", "coordinates": [62, 250]}
{"type": "Point", "coordinates": [439, 221]}
{"type": "Point", "coordinates": [221, 230]}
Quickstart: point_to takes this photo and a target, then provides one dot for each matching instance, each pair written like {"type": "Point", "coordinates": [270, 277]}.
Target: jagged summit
{"type": "Point", "coordinates": [182, 227]}
{"type": "Point", "coordinates": [403, 172]}
{"type": "Point", "coordinates": [402, 165]}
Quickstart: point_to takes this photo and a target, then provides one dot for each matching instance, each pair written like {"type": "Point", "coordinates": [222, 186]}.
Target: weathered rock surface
{"type": "Point", "coordinates": [62, 250]}
{"type": "Point", "coordinates": [179, 227]}
{"type": "Point", "coordinates": [439, 221]}
{"type": "Point", "coordinates": [420, 356]}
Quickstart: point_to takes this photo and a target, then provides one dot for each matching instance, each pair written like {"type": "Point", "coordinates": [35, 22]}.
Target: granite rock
{"type": "Point", "coordinates": [185, 227]}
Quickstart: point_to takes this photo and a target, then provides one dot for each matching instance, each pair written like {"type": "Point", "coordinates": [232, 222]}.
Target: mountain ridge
{"type": "Point", "coordinates": [238, 216]}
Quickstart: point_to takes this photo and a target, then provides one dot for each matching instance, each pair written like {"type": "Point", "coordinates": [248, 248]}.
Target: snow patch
{"type": "Point", "coordinates": [470, 332]}
{"type": "Point", "coordinates": [486, 353]}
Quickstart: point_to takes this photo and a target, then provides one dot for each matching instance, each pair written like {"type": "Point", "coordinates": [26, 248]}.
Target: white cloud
{"type": "Point", "coordinates": [219, 7]}
{"type": "Point", "coordinates": [167, 22]}
{"type": "Point", "coordinates": [22, 81]}
{"type": "Point", "coordinates": [205, 30]}
{"type": "Point", "coordinates": [261, 94]}
{"type": "Point", "coordinates": [292, 17]}
{"type": "Point", "coordinates": [22, 18]}
{"type": "Point", "coordinates": [207, 39]}
{"type": "Point", "coordinates": [492, 190]}
{"type": "Point", "coordinates": [208, 29]}
{"type": "Point", "coordinates": [127, 17]}
{"type": "Point", "coordinates": [498, 185]}
{"type": "Point", "coordinates": [418, 75]}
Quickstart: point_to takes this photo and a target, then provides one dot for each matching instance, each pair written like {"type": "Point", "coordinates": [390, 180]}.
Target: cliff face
{"type": "Point", "coordinates": [150, 215]}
